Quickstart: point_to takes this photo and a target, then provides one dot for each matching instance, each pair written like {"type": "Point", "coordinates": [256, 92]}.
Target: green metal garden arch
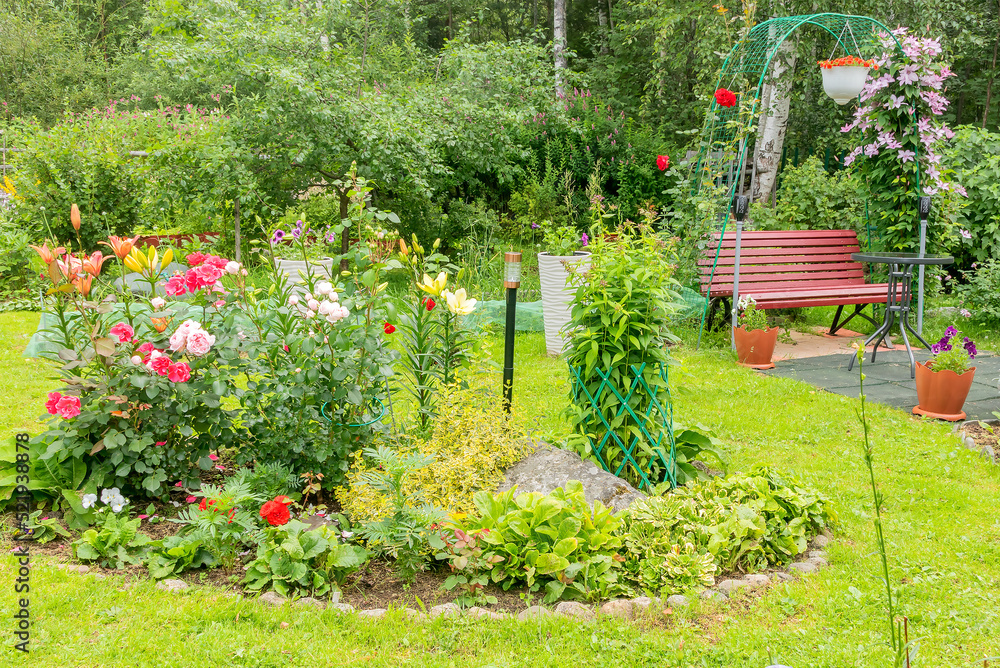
{"type": "Point", "coordinates": [725, 136]}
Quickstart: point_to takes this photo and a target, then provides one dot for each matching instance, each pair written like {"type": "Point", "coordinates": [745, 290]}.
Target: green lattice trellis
{"type": "Point", "coordinates": [726, 133]}
{"type": "Point", "coordinates": [641, 409]}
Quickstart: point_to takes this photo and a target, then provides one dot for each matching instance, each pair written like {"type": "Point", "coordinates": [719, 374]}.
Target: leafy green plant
{"type": "Point", "coordinates": [951, 357]}
{"type": "Point", "coordinates": [692, 445]}
{"type": "Point", "coordinates": [223, 520]}
{"type": "Point", "coordinates": [44, 529]}
{"type": "Point", "coordinates": [809, 198]}
{"type": "Point", "coordinates": [268, 480]}
{"type": "Point", "coordinates": [562, 240]}
{"type": "Point", "coordinates": [557, 541]}
{"type": "Point", "coordinates": [620, 322]}
{"type": "Point", "coordinates": [404, 532]}
{"type": "Point", "coordinates": [295, 561]}
{"type": "Point", "coordinates": [114, 543]}
{"type": "Point", "coordinates": [469, 564]}
{"type": "Point", "coordinates": [175, 554]}
{"type": "Point", "coordinates": [745, 522]}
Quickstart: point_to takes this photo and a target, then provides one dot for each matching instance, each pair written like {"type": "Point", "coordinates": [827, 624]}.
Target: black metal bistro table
{"type": "Point", "coordinates": [898, 298]}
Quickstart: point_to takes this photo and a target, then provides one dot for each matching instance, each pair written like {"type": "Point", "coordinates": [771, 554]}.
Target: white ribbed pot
{"type": "Point", "coordinates": [844, 82]}
{"type": "Point", "coordinates": [291, 268]}
{"type": "Point", "coordinates": [557, 295]}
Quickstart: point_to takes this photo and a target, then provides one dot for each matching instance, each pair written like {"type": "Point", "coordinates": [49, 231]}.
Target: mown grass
{"type": "Point", "coordinates": [942, 526]}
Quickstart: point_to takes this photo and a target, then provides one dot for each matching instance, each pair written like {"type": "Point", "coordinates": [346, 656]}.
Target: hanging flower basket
{"type": "Point", "coordinates": [843, 78]}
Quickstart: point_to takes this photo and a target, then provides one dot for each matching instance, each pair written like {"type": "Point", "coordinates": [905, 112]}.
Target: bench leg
{"type": "Point", "coordinates": [858, 310]}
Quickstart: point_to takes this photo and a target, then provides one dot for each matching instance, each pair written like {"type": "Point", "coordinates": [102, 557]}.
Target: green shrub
{"type": "Point", "coordinates": [981, 295]}
{"type": "Point", "coordinates": [472, 443]}
{"type": "Point", "coordinates": [175, 554]}
{"type": "Point", "coordinates": [115, 543]}
{"type": "Point", "coordinates": [557, 541]}
{"type": "Point", "coordinates": [974, 154]}
{"type": "Point", "coordinates": [812, 199]}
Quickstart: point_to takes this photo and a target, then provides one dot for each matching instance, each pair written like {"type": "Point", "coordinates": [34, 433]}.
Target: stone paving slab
{"type": "Point", "coordinates": [887, 380]}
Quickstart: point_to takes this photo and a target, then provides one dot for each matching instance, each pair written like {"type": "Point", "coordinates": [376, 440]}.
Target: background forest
{"type": "Point", "coordinates": [478, 122]}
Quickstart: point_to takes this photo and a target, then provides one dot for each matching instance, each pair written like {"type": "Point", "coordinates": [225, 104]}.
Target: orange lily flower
{"type": "Point", "coordinates": [48, 255]}
{"type": "Point", "coordinates": [83, 283]}
{"type": "Point", "coordinates": [74, 216]}
{"type": "Point", "coordinates": [160, 324]}
{"type": "Point", "coordinates": [93, 264]}
{"type": "Point", "coordinates": [122, 246]}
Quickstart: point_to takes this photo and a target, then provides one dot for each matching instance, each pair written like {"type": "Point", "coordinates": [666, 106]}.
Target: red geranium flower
{"type": "Point", "coordinates": [276, 511]}
{"type": "Point", "coordinates": [388, 328]}
{"type": "Point", "coordinates": [662, 161]}
{"type": "Point", "coordinates": [430, 303]}
{"type": "Point", "coordinates": [725, 98]}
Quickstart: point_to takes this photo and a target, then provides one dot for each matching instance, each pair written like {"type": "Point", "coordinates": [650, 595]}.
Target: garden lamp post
{"type": "Point", "coordinates": [741, 206]}
{"type": "Point", "coordinates": [511, 281]}
{"type": "Point", "coordinates": [925, 211]}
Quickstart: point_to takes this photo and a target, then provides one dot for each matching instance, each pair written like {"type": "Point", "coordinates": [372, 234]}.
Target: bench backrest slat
{"type": "Point", "coordinates": [782, 259]}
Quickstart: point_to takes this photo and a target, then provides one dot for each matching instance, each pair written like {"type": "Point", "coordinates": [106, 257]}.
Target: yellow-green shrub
{"type": "Point", "coordinates": [472, 443]}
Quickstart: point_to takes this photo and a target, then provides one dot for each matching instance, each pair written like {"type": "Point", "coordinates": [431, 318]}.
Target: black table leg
{"type": "Point", "coordinates": [887, 322]}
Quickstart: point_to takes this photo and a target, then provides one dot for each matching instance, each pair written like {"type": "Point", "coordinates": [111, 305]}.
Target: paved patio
{"type": "Point", "coordinates": [887, 380]}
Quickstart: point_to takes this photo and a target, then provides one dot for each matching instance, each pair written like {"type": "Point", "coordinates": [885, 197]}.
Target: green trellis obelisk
{"type": "Point", "coordinates": [725, 136]}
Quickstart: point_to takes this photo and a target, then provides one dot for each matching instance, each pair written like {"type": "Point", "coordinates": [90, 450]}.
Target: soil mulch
{"type": "Point", "coordinates": [983, 436]}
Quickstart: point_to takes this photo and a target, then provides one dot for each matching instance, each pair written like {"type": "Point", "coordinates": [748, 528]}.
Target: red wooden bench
{"type": "Point", "coordinates": [789, 269]}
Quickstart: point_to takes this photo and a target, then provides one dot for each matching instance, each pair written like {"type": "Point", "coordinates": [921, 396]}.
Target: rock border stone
{"type": "Point", "coordinates": [810, 561]}
{"type": "Point", "coordinates": [987, 452]}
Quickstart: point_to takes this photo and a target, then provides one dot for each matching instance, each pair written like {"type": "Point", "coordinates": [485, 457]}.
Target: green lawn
{"type": "Point", "coordinates": [942, 526]}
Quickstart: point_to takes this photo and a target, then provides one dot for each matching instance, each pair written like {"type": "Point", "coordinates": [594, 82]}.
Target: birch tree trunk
{"type": "Point", "coordinates": [602, 28]}
{"type": "Point", "coordinates": [773, 125]}
{"type": "Point", "coordinates": [559, 40]}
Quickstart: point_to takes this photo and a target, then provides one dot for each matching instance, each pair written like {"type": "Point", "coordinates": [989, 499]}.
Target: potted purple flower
{"type": "Point", "coordinates": [944, 381]}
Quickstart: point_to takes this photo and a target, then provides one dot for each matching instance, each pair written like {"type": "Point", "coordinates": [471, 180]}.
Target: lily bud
{"type": "Point", "coordinates": [74, 217]}
{"type": "Point", "coordinates": [437, 244]}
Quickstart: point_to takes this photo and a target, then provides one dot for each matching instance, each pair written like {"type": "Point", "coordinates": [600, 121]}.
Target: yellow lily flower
{"type": "Point", "coordinates": [435, 286]}
{"type": "Point", "coordinates": [458, 302]}
{"type": "Point", "coordinates": [167, 257]}
{"type": "Point", "coordinates": [135, 260]}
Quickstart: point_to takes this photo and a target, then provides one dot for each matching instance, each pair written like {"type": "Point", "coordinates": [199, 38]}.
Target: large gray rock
{"type": "Point", "coordinates": [548, 468]}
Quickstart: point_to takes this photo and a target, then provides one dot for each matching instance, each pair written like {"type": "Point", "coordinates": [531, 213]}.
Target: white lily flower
{"type": "Point", "coordinates": [458, 302]}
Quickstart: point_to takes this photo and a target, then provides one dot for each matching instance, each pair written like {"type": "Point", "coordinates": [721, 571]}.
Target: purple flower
{"type": "Point", "coordinates": [279, 234]}
{"type": "Point", "coordinates": [935, 348]}
{"type": "Point", "coordinates": [966, 234]}
{"type": "Point", "coordinates": [950, 332]}
{"type": "Point", "coordinates": [908, 75]}
{"type": "Point", "coordinates": [965, 313]}
{"type": "Point", "coordinates": [585, 239]}
{"type": "Point", "coordinates": [297, 232]}
{"type": "Point", "coordinates": [534, 226]}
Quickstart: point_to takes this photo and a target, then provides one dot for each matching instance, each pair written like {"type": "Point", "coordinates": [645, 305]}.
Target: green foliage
{"type": "Point", "coordinates": [739, 523]}
{"type": "Point", "coordinates": [556, 541]}
{"type": "Point", "coordinates": [404, 532]}
{"type": "Point", "coordinates": [297, 562]}
{"type": "Point", "coordinates": [812, 199]}
{"type": "Point", "coordinates": [224, 520]}
{"type": "Point", "coordinates": [981, 294]}
{"type": "Point", "coordinates": [469, 563]}
{"type": "Point", "coordinates": [974, 154]}
{"type": "Point", "coordinates": [268, 480]}
{"type": "Point", "coordinates": [44, 529]}
{"type": "Point", "coordinates": [749, 316]}
{"type": "Point", "coordinates": [114, 543]}
{"type": "Point", "coordinates": [692, 445]}
{"type": "Point", "coordinates": [175, 554]}
{"type": "Point", "coordinates": [621, 320]}
{"type": "Point", "coordinates": [561, 241]}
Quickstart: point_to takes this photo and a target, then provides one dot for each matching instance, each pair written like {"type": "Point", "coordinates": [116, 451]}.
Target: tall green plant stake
{"type": "Point", "coordinates": [899, 646]}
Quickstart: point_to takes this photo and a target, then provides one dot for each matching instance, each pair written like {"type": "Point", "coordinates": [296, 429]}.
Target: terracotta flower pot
{"type": "Point", "coordinates": [755, 348]}
{"type": "Point", "coordinates": [941, 394]}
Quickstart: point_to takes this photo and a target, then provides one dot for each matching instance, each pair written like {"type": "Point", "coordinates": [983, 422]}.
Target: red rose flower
{"type": "Point", "coordinates": [179, 373]}
{"type": "Point", "coordinates": [662, 161]}
{"type": "Point", "coordinates": [53, 401]}
{"type": "Point", "coordinates": [68, 407]}
{"type": "Point", "coordinates": [725, 98]}
{"type": "Point", "coordinates": [276, 511]}
{"type": "Point", "coordinates": [161, 365]}
{"type": "Point", "coordinates": [123, 331]}
{"type": "Point", "coordinates": [194, 259]}
{"type": "Point", "coordinates": [388, 328]}
{"type": "Point", "coordinates": [430, 303]}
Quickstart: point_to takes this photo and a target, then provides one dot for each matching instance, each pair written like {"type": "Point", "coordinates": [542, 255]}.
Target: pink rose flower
{"type": "Point", "coordinates": [175, 286]}
{"type": "Point", "coordinates": [158, 302]}
{"type": "Point", "coordinates": [194, 259]}
{"type": "Point", "coordinates": [160, 365]}
{"type": "Point", "coordinates": [217, 262]}
{"type": "Point", "coordinates": [68, 407]}
{"type": "Point", "coordinates": [220, 303]}
{"type": "Point", "coordinates": [199, 342]}
{"type": "Point", "coordinates": [50, 405]}
{"type": "Point", "coordinates": [179, 373]}
{"type": "Point", "coordinates": [123, 331]}
{"type": "Point", "coordinates": [179, 338]}
{"type": "Point", "coordinates": [233, 267]}
{"type": "Point", "coordinates": [191, 499]}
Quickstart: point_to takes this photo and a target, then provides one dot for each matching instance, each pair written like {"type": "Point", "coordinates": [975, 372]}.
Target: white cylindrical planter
{"type": "Point", "coordinates": [322, 268]}
{"type": "Point", "coordinates": [844, 82]}
{"type": "Point", "coordinates": [557, 295]}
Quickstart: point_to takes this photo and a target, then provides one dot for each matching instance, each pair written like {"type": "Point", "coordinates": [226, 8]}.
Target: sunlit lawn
{"type": "Point", "coordinates": [942, 525]}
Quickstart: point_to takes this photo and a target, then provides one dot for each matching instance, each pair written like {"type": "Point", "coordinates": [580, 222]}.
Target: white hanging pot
{"type": "Point", "coordinates": [844, 82]}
